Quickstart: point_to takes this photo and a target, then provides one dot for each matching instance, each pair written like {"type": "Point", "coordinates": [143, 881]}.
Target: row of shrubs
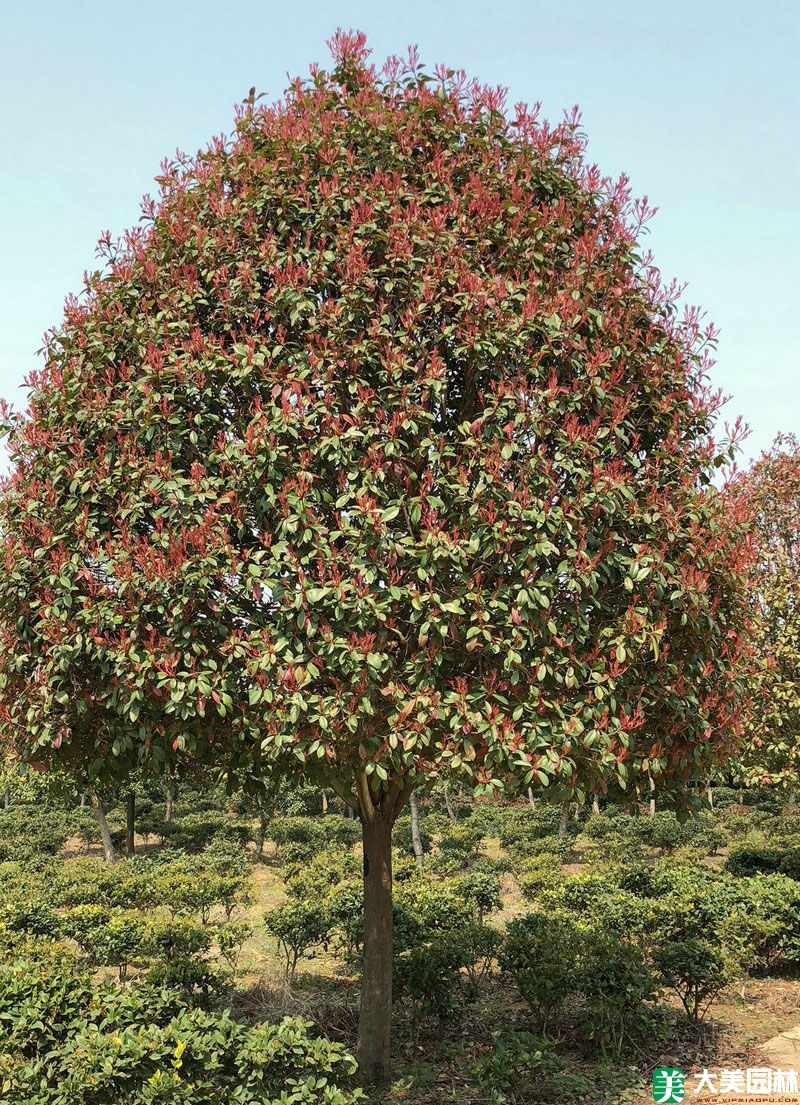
{"type": "Point", "coordinates": [67, 1039]}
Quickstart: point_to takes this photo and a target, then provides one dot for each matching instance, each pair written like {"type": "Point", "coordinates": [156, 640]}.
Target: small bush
{"type": "Point", "coordinates": [696, 970]}
{"type": "Point", "coordinates": [298, 927]}
{"type": "Point", "coordinates": [541, 954]}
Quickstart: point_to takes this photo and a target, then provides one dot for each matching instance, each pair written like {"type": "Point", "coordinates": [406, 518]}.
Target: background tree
{"type": "Point", "coordinates": [376, 453]}
{"type": "Point", "coordinates": [771, 751]}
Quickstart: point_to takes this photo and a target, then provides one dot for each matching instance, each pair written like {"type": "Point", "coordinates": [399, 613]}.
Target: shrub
{"type": "Point", "coordinates": [323, 872]}
{"type": "Point", "coordinates": [541, 954]}
{"type": "Point", "coordinates": [615, 983]}
{"type": "Point", "coordinates": [119, 940]}
{"type": "Point", "coordinates": [538, 873]}
{"type": "Point", "coordinates": [30, 830]}
{"type": "Point", "coordinates": [696, 970]}
{"type": "Point", "coordinates": [24, 914]}
{"type": "Point", "coordinates": [745, 861]}
{"type": "Point", "coordinates": [461, 843]}
{"type": "Point", "coordinates": [298, 927]}
{"type": "Point", "coordinates": [425, 907]}
{"type": "Point", "coordinates": [429, 976]}
{"type": "Point", "coordinates": [481, 891]}
{"type": "Point", "coordinates": [73, 1041]}
{"type": "Point", "coordinates": [514, 1062]}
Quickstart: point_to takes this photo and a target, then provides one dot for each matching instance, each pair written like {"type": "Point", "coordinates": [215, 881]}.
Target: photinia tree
{"type": "Point", "coordinates": [377, 453]}
{"type": "Point", "coordinates": [771, 749]}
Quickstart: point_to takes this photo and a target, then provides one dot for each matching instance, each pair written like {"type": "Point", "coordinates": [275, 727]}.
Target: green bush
{"type": "Point", "coordinates": [30, 830]}
{"type": "Point", "coordinates": [481, 891]}
{"type": "Point", "coordinates": [615, 984]}
{"type": "Point", "coordinates": [696, 970]}
{"type": "Point", "coordinates": [298, 927]}
{"type": "Point", "coordinates": [514, 1063]}
{"type": "Point", "coordinates": [401, 837]}
{"type": "Point", "coordinates": [745, 861]}
{"type": "Point", "coordinates": [65, 1039]}
{"type": "Point", "coordinates": [539, 873]}
{"type": "Point", "coordinates": [321, 874]}
{"type": "Point", "coordinates": [541, 955]}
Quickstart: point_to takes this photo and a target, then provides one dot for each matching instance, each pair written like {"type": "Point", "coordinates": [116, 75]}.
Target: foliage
{"type": "Point", "coordinates": [298, 926]}
{"type": "Point", "coordinates": [771, 755]}
{"type": "Point", "coordinates": [541, 955]}
{"type": "Point", "coordinates": [696, 970]}
{"type": "Point", "coordinates": [81, 1044]}
{"type": "Point", "coordinates": [355, 448]}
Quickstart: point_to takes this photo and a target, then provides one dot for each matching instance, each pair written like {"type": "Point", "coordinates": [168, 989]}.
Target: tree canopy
{"type": "Point", "coordinates": [771, 752]}
{"type": "Point", "coordinates": [376, 445]}
{"type": "Point", "coordinates": [377, 451]}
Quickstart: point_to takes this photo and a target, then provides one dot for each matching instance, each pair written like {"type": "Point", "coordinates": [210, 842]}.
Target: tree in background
{"type": "Point", "coordinates": [376, 454]}
{"type": "Point", "coordinates": [771, 753]}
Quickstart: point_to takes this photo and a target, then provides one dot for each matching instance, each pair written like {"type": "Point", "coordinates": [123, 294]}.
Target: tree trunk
{"type": "Point", "coordinates": [375, 1022]}
{"type": "Point", "coordinates": [168, 800]}
{"type": "Point", "coordinates": [451, 813]}
{"type": "Point", "coordinates": [261, 834]}
{"type": "Point", "coordinates": [324, 803]}
{"type": "Point", "coordinates": [595, 804]}
{"type": "Point", "coordinates": [531, 799]}
{"type": "Point", "coordinates": [710, 796]}
{"type": "Point", "coordinates": [416, 839]}
{"type": "Point", "coordinates": [130, 823]}
{"type": "Point", "coordinates": [564, 823]}
{"type": "Point", "coordinates": [651, 809]}
{"type": "Point", "coordinates": [105, 835]}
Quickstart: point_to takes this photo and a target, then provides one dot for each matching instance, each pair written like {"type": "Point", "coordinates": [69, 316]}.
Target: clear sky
{"type": "Point", "coordinates": [697, 100]}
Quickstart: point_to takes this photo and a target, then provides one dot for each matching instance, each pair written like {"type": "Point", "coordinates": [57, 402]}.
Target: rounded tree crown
{"type": "Point", "coordinates": [377, 446]}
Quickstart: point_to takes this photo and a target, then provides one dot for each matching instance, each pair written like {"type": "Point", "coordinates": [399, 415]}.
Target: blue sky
{"type": "Point", "coordinates": [696, 101]}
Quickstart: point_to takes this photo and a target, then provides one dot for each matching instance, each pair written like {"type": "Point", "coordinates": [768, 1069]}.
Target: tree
{"type": "Point", "coordinates": [376, 453]}
{"type": "Point", "coordinates": [771, 751]}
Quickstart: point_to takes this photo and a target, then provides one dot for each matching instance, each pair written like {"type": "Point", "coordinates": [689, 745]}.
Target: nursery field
{"type": "Point", "coordinates": [220, 961]}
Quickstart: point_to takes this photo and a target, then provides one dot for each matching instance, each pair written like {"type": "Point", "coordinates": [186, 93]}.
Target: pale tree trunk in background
{"type": "Point", "coordinates": [651, 809]}
{"type": "Point", "coordinates": [451, 813]}
{"type": "Point", "coordinates": [130, 823]}
{"type": "Point", "coordinates": [531, 799]}
{"type": "Point", "coordinates": [595, 804]}
{"type": "Point", "coordinates": [564, 823]}
{"type": "Point", "coordinates": [105, 835]}
{"type": "Point", "coordinates": [169, 799]}
{"type": "Point", "coordinates": [416, 839]}
{"type": "Point", "coordinates": [710, 796]}
{"type": "Point", "coordinates": [791, 801]}
{"type": "Point", "coordinates": [324, 803]}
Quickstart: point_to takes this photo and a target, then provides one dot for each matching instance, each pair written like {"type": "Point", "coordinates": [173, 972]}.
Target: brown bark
{"type": "Point", "coordinates": [416, 839]}
{"type": "Point", "coordinates": [130, 823]}
{"type": "Point", "coordinates": [96, 803]}
{"type": "Point", "coordinates": [375, 1022]}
